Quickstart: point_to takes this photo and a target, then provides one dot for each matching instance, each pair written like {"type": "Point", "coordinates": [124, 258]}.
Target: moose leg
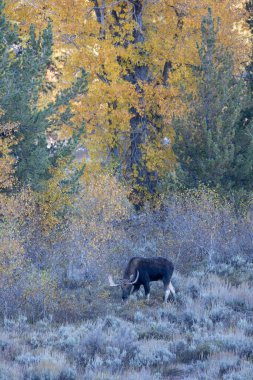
{"type": "Point", "coordinates": [168, 287]}
{"type": "Point", "coordinates": [166, 294]}
{"type": "Point", "coordinates": [147, 290]}
{"type": "Point", "coordinates": [166, 283]}
{"type": "Point", "coordinates": [136, 288]}
{"type": "Point", "coordinates": [172, 289]}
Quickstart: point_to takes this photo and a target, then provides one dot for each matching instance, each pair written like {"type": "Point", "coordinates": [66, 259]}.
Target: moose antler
{"type": "Point", "coordinates": [111, 282]}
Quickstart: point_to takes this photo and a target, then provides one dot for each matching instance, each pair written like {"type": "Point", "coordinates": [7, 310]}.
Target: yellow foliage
{"type": "Point", "coordinates": [11, 245]}
{"type": "Point", "coordinates": [104, 45]}
{"type": "Point", "coordinates": [41, 287]}
{"type": "Point", "coordinates": [6, 160]}
{"type": "Point", "coordinates": [51, 202]}
{"type": "Point", "coordinates": [102, 202]}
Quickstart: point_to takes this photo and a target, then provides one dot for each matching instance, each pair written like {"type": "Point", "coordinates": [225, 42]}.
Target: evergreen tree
{"type": "Point", "coordinates": [22, 80]}
{"type": "Point", "coordinates": [8, 36]}
{"type": "Point", "coordinates": [204, 142]}
{"type": "Point", "coordinates": [242, 173]}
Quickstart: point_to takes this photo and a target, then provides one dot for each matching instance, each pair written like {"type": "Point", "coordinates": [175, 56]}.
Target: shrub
{"type": "Point", "coordinates": [139, 317]}
{"type": "Point", "coordinates": [10, 371]}
{"type": "Point", "coordinates": [244, 371]}
{"type": "Point", "coordinates": [27, 359]}
{"type": "Point", "coordinates": [51, 367]}
{"type": "Point", "coordinates": [112, 341]}
{"type": "Point", "coordinates": [220, 314]}
{"type": "Point", "coordinates": [194, 350]}
{"type": "Point", "coordinates": [151, 353]}
{"type": "Point", "coordinates": [157, 330]}
{"type": "Point", "coordinates": [143, 374]}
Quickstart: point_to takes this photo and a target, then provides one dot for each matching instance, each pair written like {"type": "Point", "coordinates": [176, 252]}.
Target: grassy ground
{"type": "Point", "coordinates": [205, 333]}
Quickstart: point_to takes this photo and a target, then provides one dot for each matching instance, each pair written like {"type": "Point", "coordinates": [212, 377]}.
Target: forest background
{"type": "Point", "coordinates": [126, 129]}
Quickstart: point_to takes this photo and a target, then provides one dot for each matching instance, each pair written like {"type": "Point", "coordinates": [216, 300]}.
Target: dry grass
{"type": "Point", "coordinates": [203, 334]}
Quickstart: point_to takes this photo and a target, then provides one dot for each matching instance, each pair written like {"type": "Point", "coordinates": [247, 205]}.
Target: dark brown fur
{"type": "Point", "coordinates": [152, 269]}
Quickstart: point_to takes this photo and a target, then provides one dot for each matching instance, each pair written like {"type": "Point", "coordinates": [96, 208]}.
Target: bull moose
{"type": "Point", "coordinates": [141, 271]}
